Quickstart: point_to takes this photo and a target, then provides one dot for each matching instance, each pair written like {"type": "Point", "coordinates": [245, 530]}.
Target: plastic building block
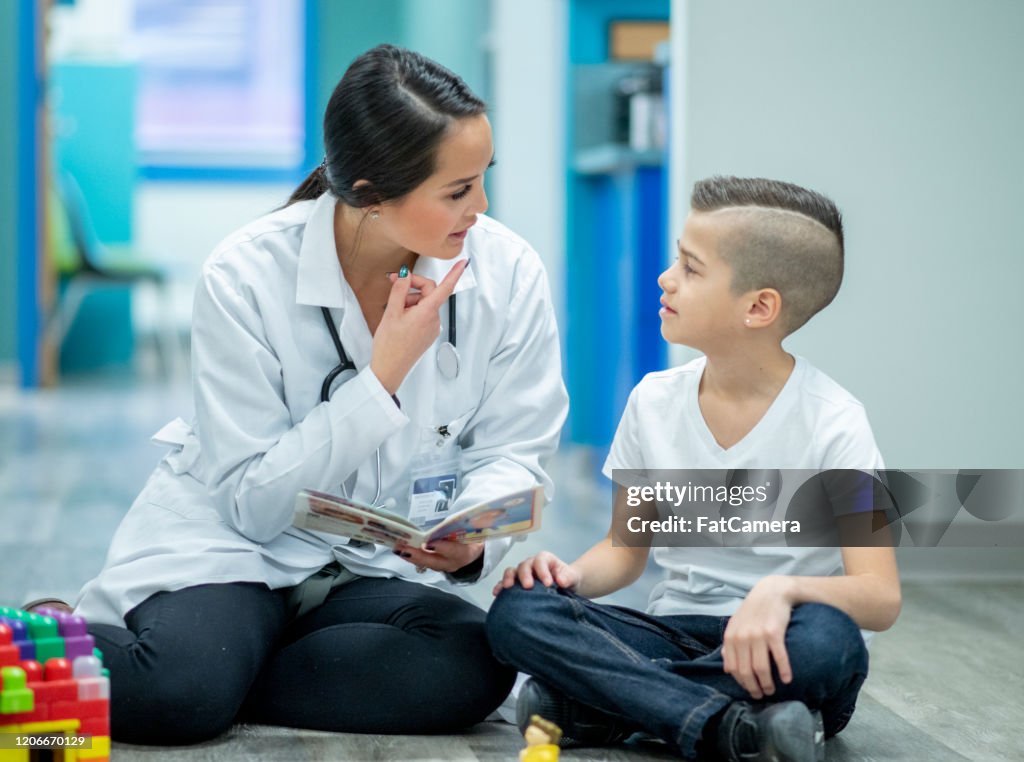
{"type": "Point", "coordinates": [69, 693]}
{"type": "Point", "coordinates": [58, 668]}
{"type": "Point", "coordinates": [10, 654]}
{"type": "Point", "coordinates": [100, 749]}
{"type": "Point", "coordinates": [21, 638]}
{"type": "Point", "coordinates": [44, 632]}
{"type": "Point", "coordinates": [72, 628]}
{"type": "Point", "coordinates": [95, 726]}
{"type": "Point", "coordinates": [33, 671]}
{"type": "Point", "coordinates": [85, 666]}
{"type": "Point", "coordinates": [91, 684]}
{"type": "Point", "coordinates": [15, 697]}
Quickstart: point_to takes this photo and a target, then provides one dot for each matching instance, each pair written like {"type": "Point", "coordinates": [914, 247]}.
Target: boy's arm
{"type": "Point", "coordinates": [606, 568]}
{"type": "Point", "coordinates": [615, 562]}
{"type": "Point", "coordinates": [869, 591]}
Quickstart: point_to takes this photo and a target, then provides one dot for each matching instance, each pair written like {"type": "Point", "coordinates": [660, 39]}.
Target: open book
{"type": "Point", "coordinates": [517, 513]}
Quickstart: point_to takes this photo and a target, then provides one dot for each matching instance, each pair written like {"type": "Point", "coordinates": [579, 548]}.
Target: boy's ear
{"type": "Point", "coordinates": [763, 309]}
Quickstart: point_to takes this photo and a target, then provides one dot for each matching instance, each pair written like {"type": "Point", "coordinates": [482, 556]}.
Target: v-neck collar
{"type": "Point", "coordinates": [779, 407]}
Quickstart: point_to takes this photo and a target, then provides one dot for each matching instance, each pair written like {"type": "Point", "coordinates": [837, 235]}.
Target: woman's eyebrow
{"type": "Point", "coordinates": [464, 180]}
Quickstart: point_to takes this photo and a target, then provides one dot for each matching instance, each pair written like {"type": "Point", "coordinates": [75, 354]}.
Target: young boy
{"type": "Point", "coordinates": [751, 653]}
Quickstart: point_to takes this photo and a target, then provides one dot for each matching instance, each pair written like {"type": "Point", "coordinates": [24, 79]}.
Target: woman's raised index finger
{"type": "Point", "coordinates": [447, 286]}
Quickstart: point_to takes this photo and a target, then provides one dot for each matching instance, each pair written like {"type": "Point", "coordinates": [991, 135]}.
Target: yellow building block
{"type": "Point", "coordinates": [67, 727]}
{"type": "Point", "coordinates": [100, 750]}
{"type": "Point", "coordinates": [53, 726]}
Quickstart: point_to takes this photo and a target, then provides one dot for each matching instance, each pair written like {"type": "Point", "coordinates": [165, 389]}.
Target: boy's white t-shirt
{"type": "Point", "coordinates": [813, 424]}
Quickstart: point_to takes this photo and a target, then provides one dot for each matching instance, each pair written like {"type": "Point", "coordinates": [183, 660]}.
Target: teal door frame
{"type": "Point", "coordinates": [29, 166]}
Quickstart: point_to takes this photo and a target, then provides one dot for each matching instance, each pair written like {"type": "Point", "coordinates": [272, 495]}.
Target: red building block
{"type": "Point", "coordinates": [95, 726]}
{"type": "Point", "coordinates": [10, 654]}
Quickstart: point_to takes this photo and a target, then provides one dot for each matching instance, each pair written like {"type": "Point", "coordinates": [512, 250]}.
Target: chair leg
{"type": "Point", "coordinates": [64, 316]}
{"type": "Point", "coordinates": [169, 343]}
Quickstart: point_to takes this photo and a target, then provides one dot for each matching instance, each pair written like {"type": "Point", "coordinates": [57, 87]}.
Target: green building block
{"type": "Point", "coordinates": [14, 696]}
{"type": "Point", "coordinates": [42, 627]}
{"type": "Point", "coordinates": [48, 648]}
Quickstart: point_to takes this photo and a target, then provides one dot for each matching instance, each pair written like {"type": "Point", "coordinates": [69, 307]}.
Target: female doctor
{"type": "Point", "coordinates": [211, 607]}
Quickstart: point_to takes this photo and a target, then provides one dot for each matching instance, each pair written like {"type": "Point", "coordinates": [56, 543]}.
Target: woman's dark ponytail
{"type": "Point", "coordinates": [314, 186]}
{"type": "Point", "coordinates": [384, 123]}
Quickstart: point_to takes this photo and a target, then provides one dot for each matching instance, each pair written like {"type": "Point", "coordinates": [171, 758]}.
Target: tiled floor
{"type": "Point", "coordinates": [947, 682]}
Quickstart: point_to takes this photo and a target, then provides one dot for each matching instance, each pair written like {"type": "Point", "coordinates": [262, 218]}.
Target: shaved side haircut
{"type": "Point", "coordinates": [782, 236]}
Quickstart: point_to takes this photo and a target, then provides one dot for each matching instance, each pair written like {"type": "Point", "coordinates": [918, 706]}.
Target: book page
{"type": "Point", "coordinates": [321, 512]}
{"type": "Point", "coordinates": [517, 513]}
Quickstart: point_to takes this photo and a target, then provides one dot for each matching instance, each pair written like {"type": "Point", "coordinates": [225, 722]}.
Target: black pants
{"type": "Point", "coordinates": [379, 656]}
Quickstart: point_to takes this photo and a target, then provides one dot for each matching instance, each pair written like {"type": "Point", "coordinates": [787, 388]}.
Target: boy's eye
{"type": "Point", "coordinates": [461, 193]}
{"type": "Point", "coordinates": [687, 269]}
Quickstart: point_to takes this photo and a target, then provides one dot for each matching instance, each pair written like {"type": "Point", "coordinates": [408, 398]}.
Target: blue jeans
{"type": "Point", "coordinates": [664, 674]}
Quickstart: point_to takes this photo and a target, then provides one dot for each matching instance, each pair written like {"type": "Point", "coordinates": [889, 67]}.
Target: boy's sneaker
{"type": "Point", "coordinates": [784, 732]}
{"type": "Point", "coordinates": [48, 603]}
{"type": "Point", "coordinates": [581, 725]}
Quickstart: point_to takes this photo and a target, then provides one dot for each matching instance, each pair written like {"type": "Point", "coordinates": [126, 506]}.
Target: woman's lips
{"type": "Point", "coordinates": [462, 233]}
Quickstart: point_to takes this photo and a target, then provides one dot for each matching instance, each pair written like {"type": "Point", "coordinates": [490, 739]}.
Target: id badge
{"type": "Point", "coordinates": [435, 478]}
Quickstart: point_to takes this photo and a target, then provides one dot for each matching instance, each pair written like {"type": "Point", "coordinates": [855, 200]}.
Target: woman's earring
{"type": "Point", "coordinates": [374, 215]}
{"type": "Point", "coordinates": [748, 321]}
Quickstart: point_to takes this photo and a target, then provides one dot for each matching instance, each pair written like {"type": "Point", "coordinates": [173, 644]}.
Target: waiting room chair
{"type": "Point", "coordinates": [84, 264]}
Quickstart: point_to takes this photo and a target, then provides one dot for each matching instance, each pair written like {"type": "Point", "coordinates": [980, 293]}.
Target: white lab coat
{"type": "Point", "coordinates": [219, 506]}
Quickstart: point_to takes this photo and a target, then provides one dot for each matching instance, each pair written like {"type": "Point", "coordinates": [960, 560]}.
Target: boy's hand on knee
{"type": "Point", "coordinates": [545, 567]}
{"type": "Point", "coordinates": [756, 635]}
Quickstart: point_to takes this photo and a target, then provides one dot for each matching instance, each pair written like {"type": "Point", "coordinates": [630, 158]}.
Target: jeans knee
{"type": "Point", "coordinates": [512, 618]}
{"type": "Point", "coordinates": [825, 644]}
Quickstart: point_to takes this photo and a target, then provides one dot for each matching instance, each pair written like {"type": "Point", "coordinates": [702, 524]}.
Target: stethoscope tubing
{"type": "Point", "coordinates": [345, 364]}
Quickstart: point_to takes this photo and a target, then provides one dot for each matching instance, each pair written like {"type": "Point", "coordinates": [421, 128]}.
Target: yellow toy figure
{"type": "Point", "coordinates": [541, 741]}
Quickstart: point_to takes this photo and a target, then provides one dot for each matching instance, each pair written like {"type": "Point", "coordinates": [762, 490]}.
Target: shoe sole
{"type": "Point", "coordinates": [795, 734]}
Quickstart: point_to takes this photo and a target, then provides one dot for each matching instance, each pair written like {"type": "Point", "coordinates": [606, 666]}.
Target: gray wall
{"type": "Point", "coordinates": [527, 187]}
{"type": "Point", "coordinates": [909, 114]}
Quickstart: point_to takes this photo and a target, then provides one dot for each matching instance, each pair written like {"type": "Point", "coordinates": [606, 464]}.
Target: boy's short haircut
{"type": "Point", "coordinates": [786, 237]}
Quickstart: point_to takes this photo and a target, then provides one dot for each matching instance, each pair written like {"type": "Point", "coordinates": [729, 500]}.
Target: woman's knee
{"type": "Point", "coordinates": [484, 681]}
{"type": "Point", "coordinates": [171, 711]}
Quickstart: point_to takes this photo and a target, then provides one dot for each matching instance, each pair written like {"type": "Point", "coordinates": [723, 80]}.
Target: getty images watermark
{"type": "Point", "coordinates": [809, 508]}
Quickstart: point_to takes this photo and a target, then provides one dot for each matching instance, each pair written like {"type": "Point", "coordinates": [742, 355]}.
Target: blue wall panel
{"type": "Point", "coordinates": [27, 200]}
{"type": "Point", "coordinates": [615, 248]}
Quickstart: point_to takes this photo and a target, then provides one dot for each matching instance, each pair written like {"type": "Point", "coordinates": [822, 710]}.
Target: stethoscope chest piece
{"type": "Point", "coordinates": [448, 360]}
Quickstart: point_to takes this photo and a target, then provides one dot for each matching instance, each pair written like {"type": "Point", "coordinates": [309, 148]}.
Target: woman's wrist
{"type": "Point", "coordinates": [387, 379]}
{"type": "Point", "coordinates": [471, 571]}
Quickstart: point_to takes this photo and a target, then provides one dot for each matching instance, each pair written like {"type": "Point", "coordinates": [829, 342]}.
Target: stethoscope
{"type": "Point", "coordinates": [447, 364]}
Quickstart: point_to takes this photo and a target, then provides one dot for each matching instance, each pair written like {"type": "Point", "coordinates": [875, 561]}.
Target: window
{"type": "Point", "coordinates": [220, 83]}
